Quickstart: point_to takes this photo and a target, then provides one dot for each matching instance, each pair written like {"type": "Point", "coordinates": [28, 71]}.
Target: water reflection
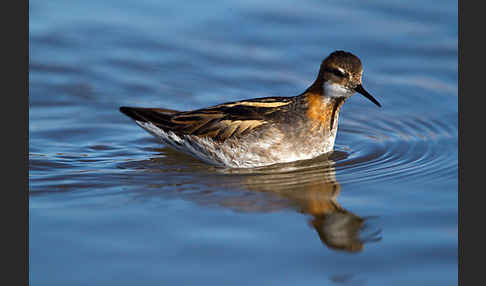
{"type": "Point", "coordinates": [312, 188]}
{"type": "Point", "coordinates": [309, 187]}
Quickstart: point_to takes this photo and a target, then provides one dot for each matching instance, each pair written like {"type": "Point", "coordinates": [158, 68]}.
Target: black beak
{"type": "Point", "coordinates": [361, 90]}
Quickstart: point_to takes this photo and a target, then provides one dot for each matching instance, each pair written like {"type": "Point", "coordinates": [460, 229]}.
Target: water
{"type": "Point", "coordinates": [110, 205]}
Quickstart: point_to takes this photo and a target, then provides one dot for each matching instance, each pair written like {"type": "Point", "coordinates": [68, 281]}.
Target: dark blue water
{"type": "Point", "coordinates": [110, 205]}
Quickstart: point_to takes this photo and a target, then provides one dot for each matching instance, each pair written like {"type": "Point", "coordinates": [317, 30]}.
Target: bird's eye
{"type": "Point", "coordinates": [337, 72]}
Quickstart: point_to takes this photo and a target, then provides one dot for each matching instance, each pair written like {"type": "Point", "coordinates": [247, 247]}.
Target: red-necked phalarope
{"type": "Point", "coordinates": [262, 131]}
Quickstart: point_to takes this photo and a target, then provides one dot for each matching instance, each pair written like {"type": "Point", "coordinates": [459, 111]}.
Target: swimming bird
{"type": "Point", "coordinates": [262, 131]}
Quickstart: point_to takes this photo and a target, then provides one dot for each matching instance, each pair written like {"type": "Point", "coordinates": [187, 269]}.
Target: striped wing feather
{"type": "Point", "coordinates": [219, 122]}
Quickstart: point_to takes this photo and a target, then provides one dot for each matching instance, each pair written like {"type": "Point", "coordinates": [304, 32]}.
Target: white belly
{"type": "Point", "coordinates": [252, 151]}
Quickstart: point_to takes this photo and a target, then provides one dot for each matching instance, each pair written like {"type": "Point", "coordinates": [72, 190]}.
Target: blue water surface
{"type": "Point", "coordinates": [110, 205]}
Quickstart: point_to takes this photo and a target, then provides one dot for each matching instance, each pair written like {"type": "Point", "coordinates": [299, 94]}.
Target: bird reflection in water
{"type": "Point", "coordinates": [309, 186]}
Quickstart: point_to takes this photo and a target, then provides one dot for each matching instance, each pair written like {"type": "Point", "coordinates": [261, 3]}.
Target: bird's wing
{"type": "Point", "coordinates": [218, 122]}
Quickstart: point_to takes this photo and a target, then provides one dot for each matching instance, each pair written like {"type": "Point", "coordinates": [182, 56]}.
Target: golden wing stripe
{"type": "Point", "coordinates": [249, 124]}
{"type": "Point", "coordinates": [254, 104]}
{"type": "Point", "coordinates": [197, 126]}
{"type": "Point", "coordinates": [199, 116]}
{"type": "Point", "coordinates": [231, 127]}
{"type": "Point", "coordinates": [227, 128]}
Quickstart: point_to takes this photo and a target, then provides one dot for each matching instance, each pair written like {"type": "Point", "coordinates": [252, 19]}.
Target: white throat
{"type": "Point", "coordinates": [336, 90]}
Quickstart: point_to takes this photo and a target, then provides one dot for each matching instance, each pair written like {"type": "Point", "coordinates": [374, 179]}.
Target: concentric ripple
{"type": "Point", "coordinates": [392, 147]}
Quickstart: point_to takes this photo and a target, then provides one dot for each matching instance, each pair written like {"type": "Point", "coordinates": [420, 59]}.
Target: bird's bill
{"type": "Point", "coordinates": [361, 90]}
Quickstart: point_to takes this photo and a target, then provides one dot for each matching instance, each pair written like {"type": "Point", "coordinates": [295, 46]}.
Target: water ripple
{"type": "Point", "coordinates": [398, 148]}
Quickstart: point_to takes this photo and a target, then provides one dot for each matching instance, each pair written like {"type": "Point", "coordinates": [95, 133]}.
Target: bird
{"type": "Point", "coordinates": [262, 131]}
